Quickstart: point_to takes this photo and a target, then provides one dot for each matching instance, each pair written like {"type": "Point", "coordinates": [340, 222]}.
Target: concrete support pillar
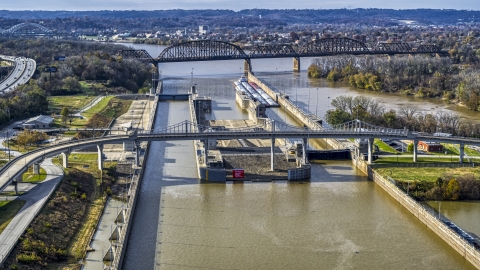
{"type": "Point", "coordinates": [415, 150]}
{"type": "Point", "coordinates": [272, 155]}
{"type": "Point", "coordinates": [36, 168]}
{"type": "Point", "coordinates": [305, 149]}
{"type": "Point", "coordinates": [65, 159]}
{"type": "Point", "coordinates": [100, 156]}
{"type": "Point", "coordinates": [247, 66]}
{"type": "Point", "coordinates": [370, 150]}
{"type": "Point", "coordinates": [15, 184]}
{"type": "Point", "coordinates": [137, 153]}
{"type": "Point", "coordinates": [462, 152]}
{"type": "Point", "coordinates": [296, 64]}
{"type": "Point", "coordinates": [205, 146]}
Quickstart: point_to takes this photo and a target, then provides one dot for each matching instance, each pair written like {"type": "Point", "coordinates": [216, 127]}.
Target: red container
{"type": "Point", "coordinates": [238, 173]}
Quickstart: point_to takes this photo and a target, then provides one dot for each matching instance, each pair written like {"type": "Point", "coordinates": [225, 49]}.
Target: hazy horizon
{"type": "Point", "coordinates": [95, 5]}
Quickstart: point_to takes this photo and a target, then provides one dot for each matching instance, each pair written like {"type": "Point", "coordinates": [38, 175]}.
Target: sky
{"type": "Point", "coordinates": [233, 4]}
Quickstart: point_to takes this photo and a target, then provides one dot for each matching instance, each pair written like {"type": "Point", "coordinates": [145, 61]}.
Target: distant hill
{"type": "Point", "coordinates": [367, 17]}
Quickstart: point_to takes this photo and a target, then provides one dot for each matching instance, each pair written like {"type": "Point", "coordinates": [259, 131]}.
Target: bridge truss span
{"type": "Point", "coordinates": [17, 29]}
{"type": "Point", "coordinates": [265, 51]}
{"type": "Point", "coordinates": [201, 50]}
{"type": "Point", "coordinates": [333, 46]}
{"type": "Point", "coordinates": [205, 50]}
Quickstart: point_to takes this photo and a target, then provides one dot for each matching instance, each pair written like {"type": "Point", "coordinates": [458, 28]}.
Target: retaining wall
{"type": "Point", "coordinates": [132, 200]}
{"type": "Point", "coordinates": [464, 248]}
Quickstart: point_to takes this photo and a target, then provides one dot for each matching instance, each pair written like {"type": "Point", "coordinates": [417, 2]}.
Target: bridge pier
{"type": "Point", "coordinates": [305, 156]}
{"type": "Point", "coordinates": [247, 66]}
{"type": "Point", "coordinates": [296, 63]}
{"type": "Point", "coordinates": [100, 156]}
{"type": "Point", "coordinates": [370, 150]}
{"type": "Point", "coordinates": [36, 168]}
{"type": "Point", "coordinates": [272, 155]}
{"type": "Point", "coordinates": [462, 152]}
{"type": "Point", "coordinates": [65, 159]}
{"type": "Point", "coordinates": [205, 146]}
{"type": "Point", "coordinates": [15, 184]}
{"type": "Point", "coordinates": [415, 150]}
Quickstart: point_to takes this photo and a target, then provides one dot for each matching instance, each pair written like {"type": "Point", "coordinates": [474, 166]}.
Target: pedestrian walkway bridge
{"type": "Point", "coordinates": [268, 129]}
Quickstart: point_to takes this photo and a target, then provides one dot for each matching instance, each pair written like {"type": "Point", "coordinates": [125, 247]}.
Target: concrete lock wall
{"type": "Point", "coordinates": [465, 249]}
{"type": "Point", "coordinates": [132, 199]}
{"type": "Point", "coordinates": [302, 173]}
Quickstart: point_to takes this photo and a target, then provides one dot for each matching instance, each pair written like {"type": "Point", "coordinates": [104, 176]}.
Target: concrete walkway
{"type": "Point", "coordinates": [35, 200]}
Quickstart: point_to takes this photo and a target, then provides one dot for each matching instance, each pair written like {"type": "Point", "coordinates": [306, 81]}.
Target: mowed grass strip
{"type": "Point", "coordinates": [101, 105]}
{"type": "Point", "coordinates": [427, 173]}
{"type": "Point", "coordinates": [73, 103]}
{"type": "Point", "coordinates": [30, 177]}
{"type": "Point", "coordinates": [85, 234]}
{"type": "Point", "coordinates": [8, 210]}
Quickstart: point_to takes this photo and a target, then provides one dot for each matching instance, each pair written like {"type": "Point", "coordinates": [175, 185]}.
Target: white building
{"type": "Point", "coordinates": [41, 121]}
{"type": "Point", "coordinates": [203, 29]}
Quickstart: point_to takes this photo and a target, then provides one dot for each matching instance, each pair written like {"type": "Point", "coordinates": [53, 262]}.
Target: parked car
{"type": "Point", "coordinates": [18, 127]}
{"type": "Point", "coordinates": [393, 144]}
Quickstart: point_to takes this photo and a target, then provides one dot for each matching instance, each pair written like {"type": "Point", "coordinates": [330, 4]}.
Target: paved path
{"type": "Point", "coordinates": [35, 200]}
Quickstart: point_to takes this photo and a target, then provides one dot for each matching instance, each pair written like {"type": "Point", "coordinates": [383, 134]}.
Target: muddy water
{"type": "Point", "coordinates": [339, 220]}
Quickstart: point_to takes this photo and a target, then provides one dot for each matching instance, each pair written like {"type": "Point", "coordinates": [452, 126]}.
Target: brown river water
{"type": "Point", "coordinates": [338, 220]}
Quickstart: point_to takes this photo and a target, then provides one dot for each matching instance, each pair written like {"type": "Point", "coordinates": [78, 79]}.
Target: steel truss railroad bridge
{"type": "Point", "coordinates": [206, 50]}
{"type": "Point", "coordinates": [191, 131]}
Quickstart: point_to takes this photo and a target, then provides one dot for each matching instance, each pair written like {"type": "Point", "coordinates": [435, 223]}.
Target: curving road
{"type": "Point", "coordinates": [34, 201]}
{"type": "Point", "coordinates": [21, 74]}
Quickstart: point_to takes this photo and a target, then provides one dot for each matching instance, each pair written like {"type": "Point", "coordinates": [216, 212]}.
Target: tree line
{"type": "Point", "coordinates": [444, 188]}
{"type": "Point", "coordinates": [84, 61]}
{"type": "Point", "coordinates": [371, 111]}
{"type": "Point", "coordinates": [419, 76]}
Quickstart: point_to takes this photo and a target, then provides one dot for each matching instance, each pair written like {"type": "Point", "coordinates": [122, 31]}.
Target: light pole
{"type": "Point", "coordinates": [308, 106]}
{"type": "Point", "coordinates": [328, 104]}
{"type": "Point", "coordinates": [191, 83]}
{"type": "Point", "coordinates": [316, 107]}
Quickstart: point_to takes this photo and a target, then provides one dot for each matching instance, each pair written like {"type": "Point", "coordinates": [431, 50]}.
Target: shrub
{"type": "Point", "coordinates": [28, 258]}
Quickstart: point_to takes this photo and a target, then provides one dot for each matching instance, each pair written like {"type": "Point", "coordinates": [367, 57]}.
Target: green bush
{"type": "Point", "coordinates": [31, 258]}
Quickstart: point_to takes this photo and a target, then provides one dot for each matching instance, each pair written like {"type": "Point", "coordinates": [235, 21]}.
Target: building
{"type": "Point", "coordinates": [430, 146]}
{"type": "Point", "coordinates": [41, 121]}
{"type": "Point", "coordinates": [203, 29]}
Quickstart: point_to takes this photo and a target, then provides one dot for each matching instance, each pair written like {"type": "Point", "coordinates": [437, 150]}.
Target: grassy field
{"type": "Point", "coordinates": [8, 210]}
{"type": "Point", "coordinates": [56, 103]}
{"type": "Point", "coordinates": [385, 147]}
{"type": "Point", "coordinates": [29, 177]}
{"type": "Point", "coordinates": [101, 105]}
{"type": "Point", "coordinates": [428, 174]}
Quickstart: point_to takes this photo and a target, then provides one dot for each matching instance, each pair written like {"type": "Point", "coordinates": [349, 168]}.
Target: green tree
{"type": "Point", "coordinates": [452, 191]}
{"type": "Point", "coordinates": [336, 117]}
{"type": "Point", "coordinates": [65, 113]}
{"type": "Point", "coordinates": [410, 147]}
{"type": "Point", "coordinates": [72, 84]}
